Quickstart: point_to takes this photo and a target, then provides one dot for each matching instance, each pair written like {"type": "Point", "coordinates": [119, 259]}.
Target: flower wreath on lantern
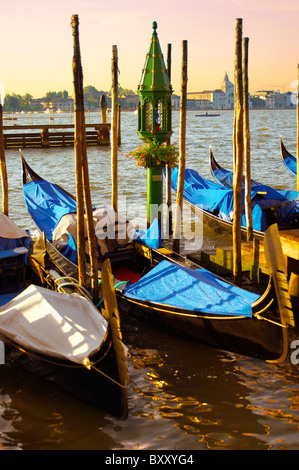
{"type": "Point", "coordinates": [154, 153]}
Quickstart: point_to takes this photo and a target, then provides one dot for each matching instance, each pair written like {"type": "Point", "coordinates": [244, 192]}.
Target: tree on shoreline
{"type": "Point", "coordinates": [16, 102]}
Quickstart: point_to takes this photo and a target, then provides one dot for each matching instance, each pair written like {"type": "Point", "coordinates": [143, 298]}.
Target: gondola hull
{"type": "Point", "coordinates": [249, 337]}
{"type": "Point", "coordinates": [227, 329]}
{"type": "Point", "coordinates": [89, 387]}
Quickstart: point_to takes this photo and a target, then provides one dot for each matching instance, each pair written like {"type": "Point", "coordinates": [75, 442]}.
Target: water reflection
{"type": "Point", "coordinates": [204, 395]}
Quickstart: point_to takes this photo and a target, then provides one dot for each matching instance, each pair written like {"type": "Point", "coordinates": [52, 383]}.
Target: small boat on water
{"type": "Point", "coordinates": [207, 115]}
{"type": "Point", "coordinates": [59, 335]}
{"type": "Point", "coordinates": [288, 159]}
{"type": "Point", "coordinates": [156, 283]}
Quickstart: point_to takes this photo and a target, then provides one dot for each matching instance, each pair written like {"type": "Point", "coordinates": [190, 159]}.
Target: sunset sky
{"type": "Point", "coordinates": [36, 42]}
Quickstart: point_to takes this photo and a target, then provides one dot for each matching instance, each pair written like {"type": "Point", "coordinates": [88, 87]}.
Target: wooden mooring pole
{"type": "Point", "coordinates": [238, 155]}
{"type": "Point", "coordinates": [114, 129]}
{"type": "Point", "coordinates": [182, 151]}
{"type": "Point", "coordinates": [82, 177]}
{"type": "Point", "coordinates": [169, 228]}
{"type": "Point", "coordinates": [4, 182]}
{"type": "Point", "coordinates": [247, 163]}
{"type": "Point", "coordinates": [103, 106]}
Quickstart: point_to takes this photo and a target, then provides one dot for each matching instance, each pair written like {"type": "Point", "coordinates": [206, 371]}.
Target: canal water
{"type": "Point", "coordinates": [182, 395]}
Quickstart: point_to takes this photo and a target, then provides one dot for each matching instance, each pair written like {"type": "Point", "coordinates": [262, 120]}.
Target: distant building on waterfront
{"type": "Point", "coordinates": [221, 98]}
{"type": "Point", "coordinates": [62, 104]}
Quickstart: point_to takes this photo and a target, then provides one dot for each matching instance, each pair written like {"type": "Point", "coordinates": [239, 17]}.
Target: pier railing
{"type": "Point", "coordinates": [53, 135]}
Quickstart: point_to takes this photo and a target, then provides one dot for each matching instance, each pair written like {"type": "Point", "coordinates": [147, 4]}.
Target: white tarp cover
{"type": "Point", "coordinates": [8, 229]}
{"type": "Point", "coordinates": [67, 326]}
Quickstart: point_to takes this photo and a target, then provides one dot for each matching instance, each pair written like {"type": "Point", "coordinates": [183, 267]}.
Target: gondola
{"type": "Point", "coordinates": [59, 334]}
{"type": "Point", "coordinates": [225, 178]}
{"type": "Point", "coordinates": [288, 159]}
{"type": "Point", "coordinates": [158, 284]}
{"type": "Point", "coordinates": [213, 202]}
{"type": "Point", "coordinates": [284, 202]}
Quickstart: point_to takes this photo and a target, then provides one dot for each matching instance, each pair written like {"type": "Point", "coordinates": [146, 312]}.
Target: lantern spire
{"type": "Point", "coordinates": [154, 92]}
{"type": "Point", "coordinates": [154, 75]}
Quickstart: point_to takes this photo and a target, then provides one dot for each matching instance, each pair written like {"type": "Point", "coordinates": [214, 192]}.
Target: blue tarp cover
{"type": "Point", "coordinates": [219, 200]}
{"type": "Point", "coordinates": [226, 178]}
{"type": "Point", "coordinates": [47, 203]}
{"type": "Point", "coordinates": [152, 236]}
{"type": "Point", "coordinates": [196, 290]}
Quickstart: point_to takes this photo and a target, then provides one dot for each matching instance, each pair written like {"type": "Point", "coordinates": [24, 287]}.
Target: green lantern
{"type": "Point", "coordinates": [154, 91]}
{"type": "Point", "coordinates": [154, 120]}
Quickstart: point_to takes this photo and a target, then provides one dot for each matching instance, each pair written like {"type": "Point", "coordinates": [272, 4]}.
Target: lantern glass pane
{"type": "Point", "coordinates": [148, 116]}
{"type": "Point", "coordinates": [159, 115]}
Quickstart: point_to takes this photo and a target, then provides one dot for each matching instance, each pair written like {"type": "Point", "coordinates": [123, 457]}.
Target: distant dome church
{"type": "Point", "coordinates": [228, 88]}
{"type": "Point", "coordinates": [226, 85]}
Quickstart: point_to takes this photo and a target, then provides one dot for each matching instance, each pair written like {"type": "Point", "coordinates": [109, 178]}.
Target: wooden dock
{"type": "Point", "coordinates": [53, 135]}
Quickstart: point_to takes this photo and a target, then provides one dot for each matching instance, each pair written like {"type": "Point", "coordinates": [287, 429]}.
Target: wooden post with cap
{"type": "Point", "coordinates": [182, 151]}
{"type": "Point", "coordinates": [238, 155]}
{"type": "Point", "coordinates": [114, 129]}
{"type": "Point", "coordinates": [247, 163]}
{"type": "Point", "coordinates": [168, 169]}
{"type": "Point", "coordinates": [82, 177]}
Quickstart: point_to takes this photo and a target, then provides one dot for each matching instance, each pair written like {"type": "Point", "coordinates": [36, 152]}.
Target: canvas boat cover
{"type": "Point", "coordinates": [54, 212]}
{"type": "Point", "coordinates": [219, 200]}
{"type": "Point", "coordinates": [64, 326]}
{"type": "Point", "coordinates": [225, 177]}
{"type": "Point", "coordinates": [192, 290]}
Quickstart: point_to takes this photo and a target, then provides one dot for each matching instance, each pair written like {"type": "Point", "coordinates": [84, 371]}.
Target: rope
{"type": "Point", "coordinates": [259, 317]}
{"type": "Point", "coordinates": [107, 376]}
{"type": "Point", "coordinates": [116, 285]}
{"type": "Point", "coordinates": [71, 282]}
